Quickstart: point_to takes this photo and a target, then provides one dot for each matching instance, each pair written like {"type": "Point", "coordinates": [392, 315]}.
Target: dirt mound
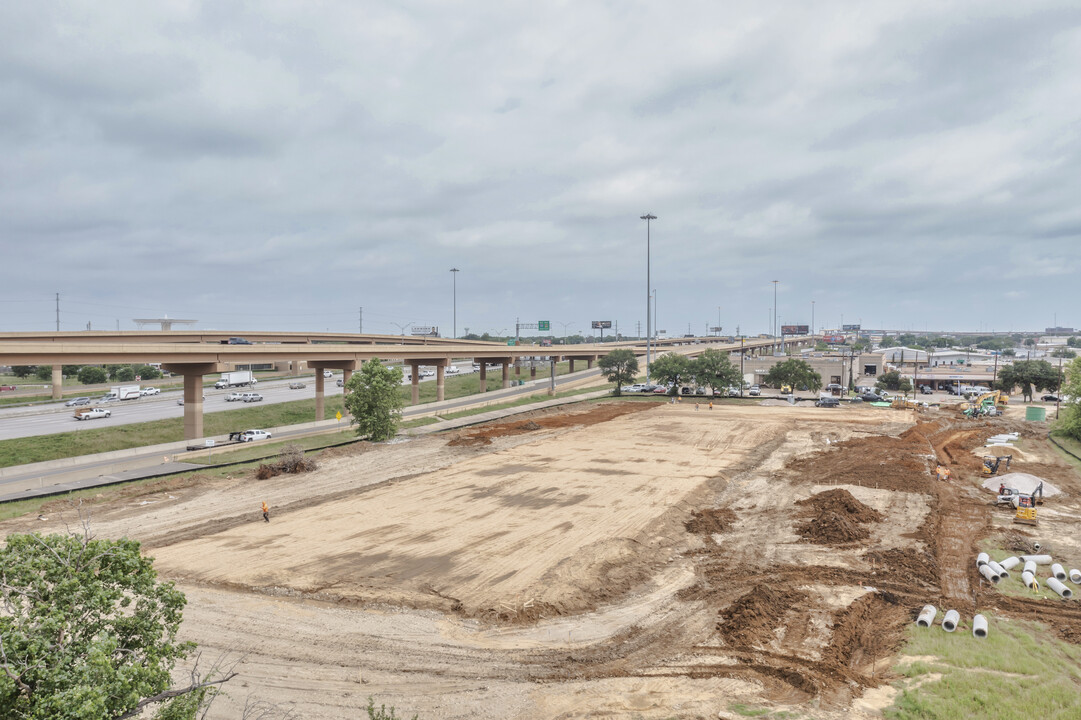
{"type": "Point", "coordinates": [832, 528]}
{"type": "Point", "coordinates": [866, 632]}
{"type": "Point", "coordinates": [554, 419]}
{"type": "Point", "coordinates": [901, 463]}
{"type": "Point", "coordinates": [709, 521]}
{"type": "Point", "coordinates": [842, 501]}
{"type": "Point", "coordinates": [1022, 482]}
{"type": "Point", "coordinates": [895, 564]}
{"type": "Point", "coordinates": [529, 426]}
{"type": "Point", "coordinates": [752, 620]}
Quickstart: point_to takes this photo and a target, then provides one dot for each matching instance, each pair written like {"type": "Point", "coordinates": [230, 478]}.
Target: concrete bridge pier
{"type": "Point", "coordinates": [193, 393]}
{"type": "Point", "coordinates": [415, 380]}
{"type": "Point", "coordinates": [347, 367]}
{"type": "Point", "coordinates": [58, 382]}
{"type": "Point", "coordinates": [346, 375]}
{"type": "Point", "coordinates": [483, 376]}
{"type": "Point", "coordinates": [506, 374]}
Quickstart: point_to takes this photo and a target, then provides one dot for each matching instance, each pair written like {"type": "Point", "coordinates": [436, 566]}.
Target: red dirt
{"type": "Point", "coordinates": [709, 521]}
{"type": "Point", "coordinates": [553, 419]}
{"type": "Point", "coordinates": [752, 621]}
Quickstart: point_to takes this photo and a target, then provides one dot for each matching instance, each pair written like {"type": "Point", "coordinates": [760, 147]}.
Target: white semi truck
{"type": "Point", "coordinates": [236, 378]}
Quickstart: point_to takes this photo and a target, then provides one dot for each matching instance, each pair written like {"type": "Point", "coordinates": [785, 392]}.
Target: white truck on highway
{"type": "Point", "coordinates": [236, 378]}
{"type": "Point", "coordinates": [123, 392]}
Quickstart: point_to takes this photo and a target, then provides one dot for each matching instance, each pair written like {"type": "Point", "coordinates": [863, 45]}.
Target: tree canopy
{"type": "Point", "coordinates": [893, 381]}
{"type": "Point", "coordinates": [1063, 352]}
{"type": "Point", "coordinates": [713, 368]}
{"type": "Point", "coordinates": [1028, 374]}
{"type": "Point", "coordinates": [92, 375]}
{"type": "Point", "coordinates": [620, 367]}
{"type": "Point", "coordinates": [672, 368]}
{"type": "Point", "coordinates": [375, 401]}
{"type": "Point", "coordinates": [796, 373]}
{"type": "Point", "coordinates": [1071, 395]}
{"type": "Point", "coordinates": [88, 632]}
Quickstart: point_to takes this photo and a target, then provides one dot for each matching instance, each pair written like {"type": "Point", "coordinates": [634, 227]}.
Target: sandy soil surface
{"type": "Point", "coordinates": [610, 560]}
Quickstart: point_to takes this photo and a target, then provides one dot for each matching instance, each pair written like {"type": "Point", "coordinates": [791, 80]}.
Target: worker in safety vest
{"type": "Point", "coordinates": [266, 512]}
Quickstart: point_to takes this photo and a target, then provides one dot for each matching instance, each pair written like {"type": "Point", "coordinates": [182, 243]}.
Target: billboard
{"type": "Point", "coordinates": [794, 330]}
{"type": "Point", "coordinates": [850, 328]}
{"type": "Point", "coordinates": [602, 324]}
{"type": "Point", "coordinates": [424, 330]}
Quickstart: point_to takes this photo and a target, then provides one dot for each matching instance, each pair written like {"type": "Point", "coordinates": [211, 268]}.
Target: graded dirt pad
{"type": "Point", "coordinates": [616, 560]}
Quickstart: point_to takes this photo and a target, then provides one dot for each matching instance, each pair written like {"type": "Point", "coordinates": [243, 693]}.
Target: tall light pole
{"type": "Point", "coordinates": [774, 329]}
{"type": "Point", "coordinates": [649, 285]}
{"type": "Point", "coordinates": [565, 326]}
{"type": "Point", "coordinates": [718, 319]}
{"type": "Point", "coordinates": [455, 272]}
{"type": "Point", "coordinates": [812, 318]}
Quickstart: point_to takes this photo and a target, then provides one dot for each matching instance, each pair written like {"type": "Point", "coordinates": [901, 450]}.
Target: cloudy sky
{"type": "Point", "coordinates": [279, 165]}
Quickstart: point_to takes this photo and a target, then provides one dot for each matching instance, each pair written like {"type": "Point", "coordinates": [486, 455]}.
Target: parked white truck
{"type": "Point", "coordinates": [236, 378]}
{"type": "Point", "coordinates": [123, 392]}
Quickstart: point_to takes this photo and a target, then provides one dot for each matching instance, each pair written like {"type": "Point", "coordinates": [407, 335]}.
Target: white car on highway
{"type": "Point", "coordinates": [92, 413]}
{"type": "Point", "coordinates": [234, 397]}
{"type": "Point", "coordinates": [249, 435]}
{"type": "Point", "coordinates": [149, 391]}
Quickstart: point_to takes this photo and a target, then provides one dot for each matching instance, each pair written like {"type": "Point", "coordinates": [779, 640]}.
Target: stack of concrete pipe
{"type": "Point", "coordinates": [994, 572]}
{"type": "Point", "coordinates": [951, 620]}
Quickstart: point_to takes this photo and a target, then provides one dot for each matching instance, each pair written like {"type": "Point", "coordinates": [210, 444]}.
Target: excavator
{"type": "Point", "coordinates": [1026, 510]}
{"type": "Point", "coordinates": [990, 403]}
{"type": "Point", "coordinates": [991, 464]}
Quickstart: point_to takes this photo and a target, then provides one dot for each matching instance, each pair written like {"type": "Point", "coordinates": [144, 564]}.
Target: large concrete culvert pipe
{"type": "Point", "coordinates": [1029, 580]}
{"type": "Point", "coordinates": [1075, 577]}
{"type": "Point", "coordinates": [1010, 563]}
{"type": "Point", "coordinates": [1063, 591]}
{"type": "Point", "coordinates": [1030, 567]}
{"type": "Point", "coordinates": [1038, 559]}
{"type": "Point", "coordinates": [1058, 572]}
{"type": "Point", "coordinates": [949, 623]}
{"type": "Point", "coordinates": [998, 569]}
{"type": "Point", "coordinates": [982, 559]}
{"type": "Point", "coordinates": [927, 616]}
{"type": "Point", "coordinates": [988, 572]}
{"type": "Point", "coordinates": [979, 626]}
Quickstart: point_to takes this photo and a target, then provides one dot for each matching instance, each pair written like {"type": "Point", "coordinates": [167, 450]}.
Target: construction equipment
{"type": "Point", "coordinates": [991, 464]}
{"type": "Point", "coordinates": [903, 403]}
{"type": "Point", "coordinates": [1026, 511]}
{"type": "Point", "coordinates": [990, 403]}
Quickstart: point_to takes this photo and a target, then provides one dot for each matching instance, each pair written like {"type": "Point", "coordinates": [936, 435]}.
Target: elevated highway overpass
{"type": "Point", "coordinates": [195, 354]}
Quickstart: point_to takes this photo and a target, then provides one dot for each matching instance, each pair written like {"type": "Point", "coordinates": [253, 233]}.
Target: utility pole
{"type": "Point", "coordinates": [812, 318]}
{"type": "Point", "coordinates": [648, 217]}
{"type": "Point", "coordinates": [360, 322]}
{"type": "Point", "coordinates": [774, 330]}
{"type": "Point", "coordinates": [454, 273]}
{"type": "Point", "coordinates": [58, 312]}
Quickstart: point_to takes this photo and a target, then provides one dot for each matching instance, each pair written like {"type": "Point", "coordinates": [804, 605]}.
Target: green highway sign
{"type": "Point", "coordinates": [511, 341]}
{"type": "Point", "coordinates": [544, 325]}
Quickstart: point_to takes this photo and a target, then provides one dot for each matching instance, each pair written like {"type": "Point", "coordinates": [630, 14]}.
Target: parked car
{"type": "Point", "coordinates": [92, 413]}
{"type": "Point", "coordinates": [700, 390]}
{"type": "Point", "coordinates": [292, 386]}
{"type": "Point", "coordinates": [732, 392]}
{"type": "Point", "coordinates": [872, 397]}
{"type": "Point", "coordinates": [926, 390]}
{"type": "Point", "coordinates": [834, 388]}
{"type": "Point", "coordinates": [341, 382]}
{"type": "Point", "coordinates": [249, 435]}
{"type": "Point", "coordinates": [686, 390]}
{"type": "Point", "coordinates": [755, 390]}
{"type": "Point", "coordinates": [74, 402]}
{"type": "Point", "coordinates": [786, 389]}
{"type": "Point", "coordinates": [150, 391]}
{"type": "Point", "coordinates": [660, 390]}
{"type": "Point", "coordinates": [827, 402]}
{"type": "Point", "coordinates": [250, 397]}
{"type": "Point", "coordinates": [1050, 398]}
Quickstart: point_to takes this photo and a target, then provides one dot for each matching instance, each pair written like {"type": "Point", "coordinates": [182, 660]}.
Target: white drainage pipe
{"type": "Point", "coordinates": [1030, 567]}
{"type": "Point", "coordinates": [979, 626]}
{"type": "Point", "coordinates": [982, 559]}
{"type": "Point", "coordinates": [998, 569]}
{"type": "Point", "coordinates": [1075, 577]}
{"type": "Point", "coordinates": [1011, 562]}
{"type": "Point", "coordinates": [990, 574]}
{"type": "Point", "coordinates": [949, 623]}
{"type": "Point", "coordinates": [1030, 580]}
{"type": "Point", "coordinates": [1058, 587]}
{"type": "Point", "coordinates": [1038, 559]}
{"type": "Point", "coordinates": [927, 616]}
{"type": "Point", "coordinates": [1058, 572]}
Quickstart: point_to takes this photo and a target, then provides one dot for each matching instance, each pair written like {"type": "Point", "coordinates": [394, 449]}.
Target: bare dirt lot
{"type": "Point", "coordinates": [614, 559]}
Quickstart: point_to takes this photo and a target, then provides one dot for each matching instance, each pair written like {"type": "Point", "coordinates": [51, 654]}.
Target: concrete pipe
{"type": "Point", "coordinates": [979, 626]}
{"type": "Point", "coordinates": [988, 572]}
{"type": "Point", "coordinates": [1038, 559]}
{"type": "Point", "coordinates": [1058, 572]}
{"type": "Point", "coordinates": [1030, 567]}
{"type": "Point", "coordinates": [949, 623]}
{"type": "Point", "coordinates": [982, 559]}
{"type": "Point", "coordinates": [927, 616]}
{"type": "Point", "coordinates": [1011, 562]}
{"type": "Point", "coordinates": [1075, 577]}
{"type": "Point", "coordinates": [1058, 587]}
{"type": "Point", "coordinates": [1030, 580]}
{"type": "Point", "coordinates": [998, 569]}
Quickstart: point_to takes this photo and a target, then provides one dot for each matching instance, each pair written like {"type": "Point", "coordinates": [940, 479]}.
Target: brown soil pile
{"type": "Point", "coordinates": [903, 566]}
{"type": "Point", "coordinates": [752, 620]}
{"type": "Point", "coordinates": [901, 463]}
{"type": "Point", "coordinates": [865, 633]}
{"type": "Point", "coordinates": [836, 518]}
{"type": "Point", "coordinates": [554, 419]}
{"type": "Point", "coordinates": [709, 521]}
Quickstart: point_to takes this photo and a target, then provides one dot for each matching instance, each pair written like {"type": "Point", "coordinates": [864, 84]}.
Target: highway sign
{"type": "Point", "coordinates": [338, 416]}
{"type": "Point", "coordinates": [544, 325]}
{"type": "Point", "coordinates": [511, 341]}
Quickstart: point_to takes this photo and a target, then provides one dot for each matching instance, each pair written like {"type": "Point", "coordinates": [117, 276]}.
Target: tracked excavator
{"type": "Point", "coordinates": [991, 465]}
{"type": "Point", "coordinates": [990, 403]}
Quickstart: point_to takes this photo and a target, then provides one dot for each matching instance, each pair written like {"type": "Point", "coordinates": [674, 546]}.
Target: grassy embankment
{"type": "Point", "coordinates": [1021, 670]}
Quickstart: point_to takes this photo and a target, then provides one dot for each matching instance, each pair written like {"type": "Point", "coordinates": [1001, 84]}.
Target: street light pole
{"type": "Point", "coordinates": [812, 318]}
{"type": "Point", "coordinates": [455, 272]}
{"type": "Point", "coordinates": [774, 329]}
{"type": "Point", "coordinates": [648, 217]}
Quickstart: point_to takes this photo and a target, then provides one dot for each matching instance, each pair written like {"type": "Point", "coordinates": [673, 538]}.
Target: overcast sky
{"type": "Point", "coordinates": [278, 165]}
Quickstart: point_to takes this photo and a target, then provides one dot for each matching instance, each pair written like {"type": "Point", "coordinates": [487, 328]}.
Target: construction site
{"type": "Point", "coordinates": [619, 558]}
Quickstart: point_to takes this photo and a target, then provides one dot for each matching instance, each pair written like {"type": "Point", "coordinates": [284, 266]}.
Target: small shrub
{"type": "Point", "coordinates": [381, 713]}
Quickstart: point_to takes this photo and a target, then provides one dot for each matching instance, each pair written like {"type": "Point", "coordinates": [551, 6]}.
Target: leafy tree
{"type": "Point", "coordinates": [124, 374]}
{"type": "Point", "coordinates": [92, 375]}
{"type": "Point", "coordinates": [887, 341]}
{"type": "Point", "coordinates": [375, 400]}
{"type": "Point", "coordinates": [44, 372]}
{"type": "Point", "coordinates": [1063, 353]}
{"type": "Point", "coordinates": [795, 373]}
{"type": "Point", "coordinates": [146, 372]}
{"type": "Point", "coordinates": [821, 346]}
{"type": "Point", "coordinates": [713, 368]}
{"type": "Point", "coordinates": [860, 345]}
{"type": "Point", "coordinates": [620, 367]}
{"type": "Point", "coordinates": [1009, 352]}
{"type": "Point", "coordinates": [672, 368]}
{"type": "Point", "coordinates": [70, 370]}
{"type": "Point", "coordinates": [1071, 410]}
{"type": "Point", "coordinates": [1030, 342]}
{"type": "Point", "coordinates": [1072, 341]}
{"type": "Point", "coordinates": [23, 371]}
{"type": "Point", "coordinates": [88, 632]}
{"type": "Point", "coordinates": [1029, 374]}
{"type": "Point", "coordinates": [890, 381]}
